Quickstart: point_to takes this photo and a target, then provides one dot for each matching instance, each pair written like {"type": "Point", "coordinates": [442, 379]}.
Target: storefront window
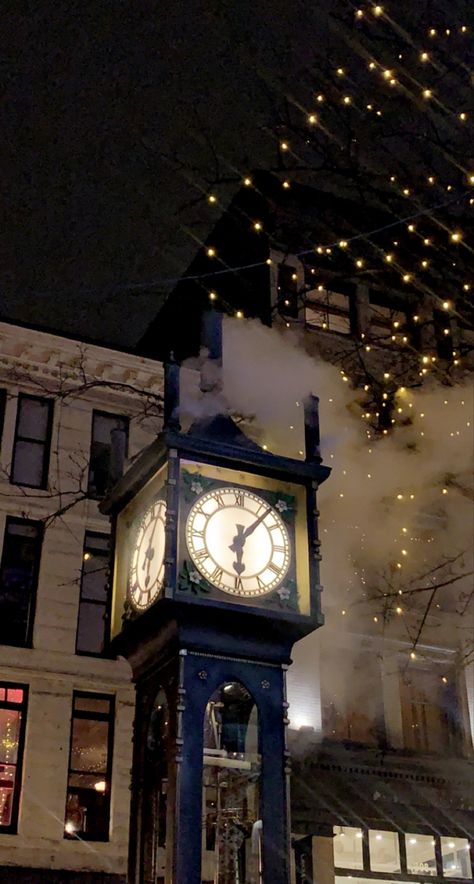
{"type": "Point", "coordinates": [384, 851]}
{"type": "Point", "coordinates": [456, 857]}
{"type": "Point", "coordinates": [12, 728]}
{"type": "Point", "coordinates": [420, 850]}
{"type": "Point", "coordinates": [348, 847]}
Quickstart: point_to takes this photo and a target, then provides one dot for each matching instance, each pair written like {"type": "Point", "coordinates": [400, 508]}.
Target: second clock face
{"type": "Point", "coordinates": [147, 563]}
{"type": "Point", "coordinates": [238, 541]}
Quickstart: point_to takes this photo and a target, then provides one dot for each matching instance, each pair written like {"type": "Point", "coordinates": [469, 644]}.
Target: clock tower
{"type": "Point", "coordinates": [216, 575]}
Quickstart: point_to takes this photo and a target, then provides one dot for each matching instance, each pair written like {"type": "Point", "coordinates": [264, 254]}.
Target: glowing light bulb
{"type": "Point", "coordinates": [87, 556]}
{"type": "Point", "coordinates": [284, 145]}
{"type": "Point", "coordinates": [257, 225]}
{"type": "Point", "coordinates": [247, 182]}
{"type": "Point", "coordinates": [427, 93]}
{"type": "Point", "coordinates": [340, 72]}
{"type": "Point", "coordinates": [312, 119]}
{"type": "Point", "coordinates": [212, 296]}
{"type": "Point", "coordinates": [424, 56]}
{"type": "Point", "coordinates": [456, 236]}
{"type": "Point", "coordinates": [347, 99]}
{"type": "Point", "coordinates": [211, 252]}
{"type": "Point", "coordinates": [211, 198]}
{"type": "Point", "coordinates": [378, 11]}
{"type": "Point", "coordinates": [413, 657]}
{"type": "Point", "coordinates": [286, 184]}
{"type": "Point", "coordinates": [239, 314]}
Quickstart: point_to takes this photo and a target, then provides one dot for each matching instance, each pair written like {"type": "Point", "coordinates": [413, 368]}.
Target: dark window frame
{"type": "Point", "coordinates": [12, 828]}
{"type": "Point", "coordinates": [328, 310]}
{"type": "Point", "coordinates": [94, 495]}
{"type": "Point", "coordinates": [105, 604]}
{"type": "Point", "coordinates": [92, 716]}
{"type": "Point", "coordinates": [46, 442]}
{"type": "Point", "coordinates": [28, 642]}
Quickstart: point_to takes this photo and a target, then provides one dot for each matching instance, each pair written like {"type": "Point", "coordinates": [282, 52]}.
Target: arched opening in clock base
{"type": "Point", "coordinates": [155, 788]}
{"type": "Point", "coordinates": [231, 851]}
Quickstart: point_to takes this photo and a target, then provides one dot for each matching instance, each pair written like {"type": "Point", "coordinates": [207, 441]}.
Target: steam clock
{"type": "Point", "coordinates": [216, 575]}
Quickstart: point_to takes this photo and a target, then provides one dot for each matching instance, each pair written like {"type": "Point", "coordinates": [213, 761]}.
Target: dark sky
{"type": "Point", "coordinates": [117, 114]}
{"type": "Point", "coordinates": [100, 100]}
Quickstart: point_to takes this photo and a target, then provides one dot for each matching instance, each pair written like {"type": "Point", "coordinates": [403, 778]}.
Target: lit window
{"type": "Point", "coordinates": [32, 442]}
{"type": "Point", "coordinates": [456, 857]}
{"type": "Point", "coordinates": [13, 699]}
{"type": "Point", "coordinates": [93, 600]}
{"type": "Point", "coordinates": [328, 310]}
{"type": "Point", "coordinates": [18, 579]}
{"type": "Point", "coordinates": [348, 847]}
{"type": "Point", "coordinates": [100, 464]}
{"type": "Point", "coordinates": [420, 850]}
{"type": "Point", "coordinates": [90, 761]}
{"type": "Point", "coordinates": [384, 851]}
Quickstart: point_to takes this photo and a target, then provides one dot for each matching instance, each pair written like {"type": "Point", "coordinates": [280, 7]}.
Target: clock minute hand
{"type": "Point", "coordinates": [248, 531]}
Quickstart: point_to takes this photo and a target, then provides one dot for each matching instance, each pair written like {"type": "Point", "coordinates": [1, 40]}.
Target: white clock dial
{"type": "Point", "coordinates": [238, 542]}
{"type": "Point", "coordinates": [148, 557]}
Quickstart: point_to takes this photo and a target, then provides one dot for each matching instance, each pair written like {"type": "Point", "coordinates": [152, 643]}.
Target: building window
{"type": "Point", "coordinates": [348, 853]}
{"type": "Point", "coordinates": [421, 855]}
{"type": "Point", "coordinates": [352, 710]}
{"type": "Point", "coordinates": [328, 310]}
{"type": "Point", "coordinates": [398, 854]}
{"type": "Point", "coordinates": [287, 286]}
{"type": "Point", "coordinates": [18, 580]}
{"type": "Point", "coordinates": [3, 402]}
{"type": "Point", "coordinates": [13, 700]}
{"type": "Point", "coordinates": [32, 441]}
{"type": "Point", "coordinates": [101, 450]}
{"type": "Point", "coordinates": [456, 859]}
{"type": "Point", "coordinates": [90, 761]}
{"type": "Point", "coordinates": [384, 851]}
{"type": "Point", "coordinates": [431, 715]}
{"type": "Point", "coordinates": [93, 600]}
{"type": "Point", "coordinates": [387, 319]}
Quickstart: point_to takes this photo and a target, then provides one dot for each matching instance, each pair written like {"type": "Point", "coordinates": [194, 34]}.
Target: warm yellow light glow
{"type": "Point", "coordinates": [427, 93]}
{"type": "Point", "coordinates": [389, 258]}
{"type": "Point", "coordinates": [212, 198]}
{"type": "Point", "coordinates": [446, 305]}
{"type": "Point", "coordinates": [239, 314]}
{"type": "Point", "coordinates": [413, 657]}
{"type": "Point", "coordinates": [359, 13]}
{"type": "Point", "coordinates": [320, 97]}
{"type": "Point", "coordinates": [257, 225]}
{"type": "Point", "coordinates": [463, 116]}
{"type": "Point", "coordinates": [456, 236]}
{"type": "Point", "coordinates": [87, 556]}
{"type": "Point", "coordinates": [312, 119]}
{"type": "Point", "coordinates": [343, 244]}
{"type": "Point", "coordinates": [100, 786]}
{"type": "Point", "coordinates": [284, 145]}
{"type": "Point", "coordinates": [406, 277]}
{"type": "Point", "coordinates": [347, 99]}
{"type": "Point", "coordinates": [378, 11]}
{"type": "Point", "coordinates": [387, 75]}
{"type": "Point", "coordinates": [359, 263]}
{"type": "Point", "coordinates": [247, 182]}
{"type": "Point", "coordinates": [340, 72]}
{"type": "Point", "coordinates": [212, 296]}
{"type": "Point", "coordinates": [211, 252]}
{"type": "Point", "coordinates": [424, 56]}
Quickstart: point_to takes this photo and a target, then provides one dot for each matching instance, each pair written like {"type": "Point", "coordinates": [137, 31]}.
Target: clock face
{"type": "Point", "coordinates": [238, 542]}
{"type": "Point", "coordinates": [148, 557]}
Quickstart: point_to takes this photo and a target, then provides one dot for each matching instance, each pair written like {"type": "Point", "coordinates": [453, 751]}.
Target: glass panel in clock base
{"type": "Point", "coordinates": [231, 840]}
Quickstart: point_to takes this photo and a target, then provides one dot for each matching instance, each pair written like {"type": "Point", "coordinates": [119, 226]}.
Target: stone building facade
{"type": "Point", "coordinates": [66, 711]}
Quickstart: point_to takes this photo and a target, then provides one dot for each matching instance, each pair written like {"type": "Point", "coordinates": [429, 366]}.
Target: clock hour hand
{"type": "Point", "coordinates": [237, 546]}
{"type": "Point", "coordinates": [149, 553]}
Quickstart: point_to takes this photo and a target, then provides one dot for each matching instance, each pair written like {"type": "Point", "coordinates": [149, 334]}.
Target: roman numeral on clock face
{"type": "Point", "coordinates": [216, 574]}
{"type": "Point", "coordinates": [274, 568]}
{"type": "Point", "coordinates": [239, 498]}
{"type": "Point", "coordinates": [238, 585]}
{"type": "Point", "coordinates": [201, 554]}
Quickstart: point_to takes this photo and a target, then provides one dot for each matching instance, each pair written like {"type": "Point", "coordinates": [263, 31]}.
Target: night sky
{"type": "Point", "coordinates": [117, 118]}
{"type": "Point", "coordinates": [112, 113]}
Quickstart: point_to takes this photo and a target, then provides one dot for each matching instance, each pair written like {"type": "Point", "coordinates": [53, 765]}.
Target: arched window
{"type": "Point", "coordinates": [231, 793]}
